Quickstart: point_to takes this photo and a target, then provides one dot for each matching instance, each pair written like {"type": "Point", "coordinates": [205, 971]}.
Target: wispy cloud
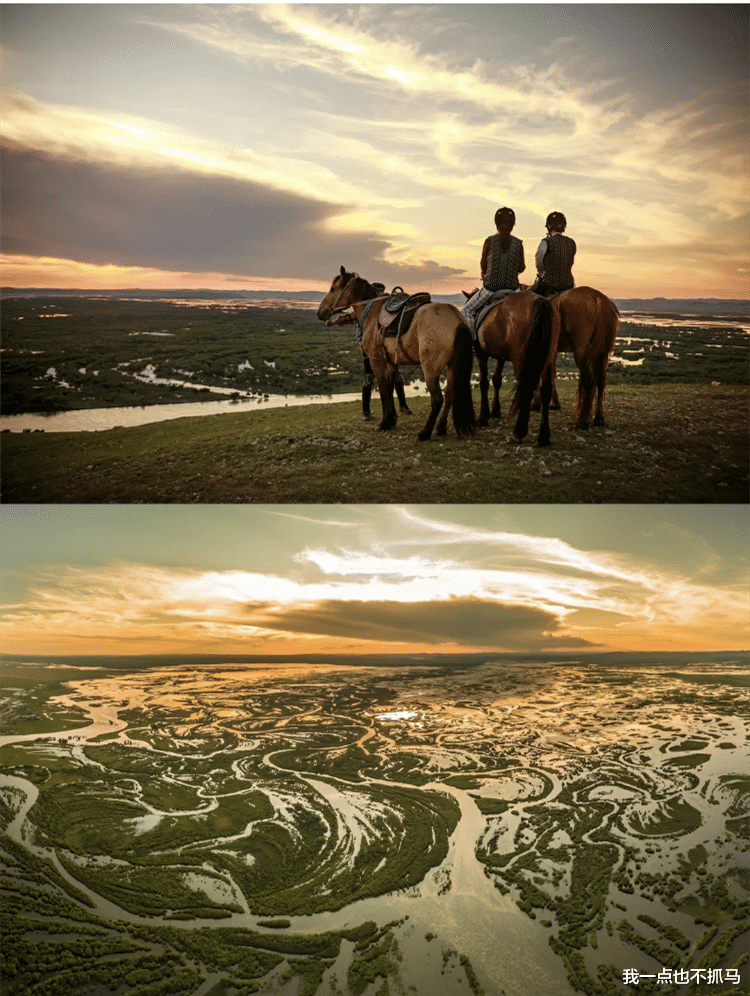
{"type": "Point", "coordinates": [425, 582]}
{"type": "Point", "coordinates": [82, 135]}
{"type": "Point", "coordinates": [553, 115]}
{"type": "Point", "coordinates": [382, 138]}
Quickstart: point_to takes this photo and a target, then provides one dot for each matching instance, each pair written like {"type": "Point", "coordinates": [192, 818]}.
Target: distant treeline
{"type": "Point", "coordinates": [454, 661]}
{"type": "Point", "coordinates": [655, 304]}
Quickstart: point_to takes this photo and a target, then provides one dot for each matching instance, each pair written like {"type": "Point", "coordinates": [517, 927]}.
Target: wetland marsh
{"type": "Point", "coordinates": [500, 827]}
{"type": "Point", "coordinates": [77, 353]}
{"type": "Point", "coordinates": [222, 402]}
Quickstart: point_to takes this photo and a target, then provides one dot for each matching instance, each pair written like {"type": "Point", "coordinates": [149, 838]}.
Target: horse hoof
{"type": "Point", "coordinates": [424, 437]}
{"type": "Point", "coordinates": [366, 417]}
{"type": "Point", "coordinates": [406, 411]}
{"type": "Point", "coordinates": [514, 439]}
{"type": "Point", "coordinates": [543, 441]}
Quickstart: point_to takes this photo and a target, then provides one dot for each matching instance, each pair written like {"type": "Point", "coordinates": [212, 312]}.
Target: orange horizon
{"type": "Point", "coordinates": [47, 273]}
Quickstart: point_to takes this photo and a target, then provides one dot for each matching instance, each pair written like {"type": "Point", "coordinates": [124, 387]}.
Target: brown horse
{"type": "Point", "coordinates": [438, 339]}
{"type": "Point", "coordinates": [520, 330]}
{"type": "Point", "coordinates": [589, 321]}
{"type": "Point", "coordinates": [585, 322]}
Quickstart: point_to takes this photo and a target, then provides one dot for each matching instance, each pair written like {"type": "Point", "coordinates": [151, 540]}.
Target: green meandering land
{"type": "Point", "coordinates": [206, 847]}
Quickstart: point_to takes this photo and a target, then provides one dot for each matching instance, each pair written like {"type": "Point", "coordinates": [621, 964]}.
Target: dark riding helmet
{"type": "Point", "coordinates": [505, 218]}
{"type": "Point", "coordinates": [556, 222]}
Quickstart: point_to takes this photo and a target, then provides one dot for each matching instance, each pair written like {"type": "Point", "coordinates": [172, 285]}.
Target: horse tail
{"type": "Point", "coordinates": [536, 353]}
{"type": "Point", "coordinates": [464, 416]}
{"type": "Point", "coordinates": [595, 360]}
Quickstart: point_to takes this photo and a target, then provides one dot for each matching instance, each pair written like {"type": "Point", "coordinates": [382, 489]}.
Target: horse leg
{"type": "Point", "coordinates": [450, 393]}
{"type": "Point", "coordinates": [585, 398]}
{"type": "Point", "coordinates": [385, 376]}
{"type": "Point", "coordinates": [537, 359]}
{"type": "Point", "coordinates": [497, 381]}
{"type": "Point", "coordinates": [601, 383]}
{"type": "Point", "coordinates": [436, 397]}
{"type": "Point", "coordinates": [401, 394]}
{"type": "Point", "coordinates": [484, 385]}
{"type": "Point", "coordinates": [545, 389]}
{"type": "Point", "coordinates": [536, 405]}
{"type": "Point", "coordinates": [367, 390]}
{"type": "Point", "coordinates": [554, 401]}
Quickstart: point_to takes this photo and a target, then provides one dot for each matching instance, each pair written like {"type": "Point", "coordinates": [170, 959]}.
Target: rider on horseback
{"type": "Point", "coordinates": [502, 261]}
{"type": "Point", "coordinates": [554, 259]}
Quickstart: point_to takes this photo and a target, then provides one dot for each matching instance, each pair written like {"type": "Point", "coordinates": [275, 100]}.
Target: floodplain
{"type": "Point", "coordinates": [77, 353]}
{"type": "Point", "coordinates": [524, 827]}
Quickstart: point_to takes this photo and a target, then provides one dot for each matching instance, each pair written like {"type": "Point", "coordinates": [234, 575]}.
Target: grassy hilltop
{"type": "Point", "coordinates": [676, 410]}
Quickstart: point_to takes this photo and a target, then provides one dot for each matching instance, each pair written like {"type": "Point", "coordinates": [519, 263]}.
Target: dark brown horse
{"type": "Point", "coordinates": [519, 330]}
{"type": "Point", "coordinates": [585, 322]}
{"type": "Point", "coordinates": [438, 339]}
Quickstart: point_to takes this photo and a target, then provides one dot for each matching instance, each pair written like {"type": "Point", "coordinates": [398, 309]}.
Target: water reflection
{"type": "Point", "coordinates": [99, 419]}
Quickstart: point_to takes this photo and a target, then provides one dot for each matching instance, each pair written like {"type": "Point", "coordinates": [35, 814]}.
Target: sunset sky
{"type": "Point", "coordinates": [373, 579]}
{"type": "Point", "coordinates": [263, 146]}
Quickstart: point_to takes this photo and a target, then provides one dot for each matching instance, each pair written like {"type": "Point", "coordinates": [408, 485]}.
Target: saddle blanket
{"type": "Point", "coordinates": [488, 305]}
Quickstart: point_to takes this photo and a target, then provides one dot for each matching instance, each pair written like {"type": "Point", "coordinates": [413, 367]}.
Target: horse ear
{"type": "Point", "coordinates": [343, 272]}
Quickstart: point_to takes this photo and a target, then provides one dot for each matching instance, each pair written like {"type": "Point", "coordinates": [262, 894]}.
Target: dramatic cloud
{"type": "Point", "coordinates": [165, 218]}
{"type": "Point", "coordinates": [281, 141]}
{"type": "Point", "coordinates": [467, 622]}
{"type": "Point", "coordinates": [405, 578]}
{"type": "Point", "coordinates": [127, 193]}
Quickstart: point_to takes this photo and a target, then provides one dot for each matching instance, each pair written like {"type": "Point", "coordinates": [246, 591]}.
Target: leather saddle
{"type": "Point", "coordinates": [398, 310]}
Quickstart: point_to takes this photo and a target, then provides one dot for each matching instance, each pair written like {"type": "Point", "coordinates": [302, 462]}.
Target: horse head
{"type": "Point", "coordinates": [346, 289]}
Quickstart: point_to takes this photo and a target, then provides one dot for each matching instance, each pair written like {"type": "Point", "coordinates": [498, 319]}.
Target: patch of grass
{"type": "Point", "coordinates": [673, 443]}
{"type": "Point", "coordinates": [97, 349]}
{"type": "Point", "coordinates": [673, 817]}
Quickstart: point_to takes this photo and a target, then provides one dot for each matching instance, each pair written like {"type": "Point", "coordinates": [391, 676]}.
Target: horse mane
{"type": "Point", "coordinates": [363, 288]}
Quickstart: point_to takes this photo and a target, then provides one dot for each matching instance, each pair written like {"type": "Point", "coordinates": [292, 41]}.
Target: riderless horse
{"type": "Point", "coordinates": [419, 332]}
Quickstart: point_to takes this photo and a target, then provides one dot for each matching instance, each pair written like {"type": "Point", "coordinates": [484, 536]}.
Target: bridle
{"type": "Point", "coordinates": [355, 276]}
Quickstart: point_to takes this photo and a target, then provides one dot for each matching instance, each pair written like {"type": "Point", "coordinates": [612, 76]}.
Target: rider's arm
{"type": "Point", "coordinates": [540, 254]}
{"type": "Point", "coordinates": [485, 257]}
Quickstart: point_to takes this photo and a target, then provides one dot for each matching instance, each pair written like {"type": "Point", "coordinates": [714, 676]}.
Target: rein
{"type": "Point", "coordinates": [355, 276]}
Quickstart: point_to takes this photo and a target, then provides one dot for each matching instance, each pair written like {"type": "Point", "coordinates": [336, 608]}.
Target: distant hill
{"type": "Point", "coordinates": [702, 305]}
{"type": "Point", "coordinates": [161, 293]}
{"type": "Point", "coordinates": [609, 658]}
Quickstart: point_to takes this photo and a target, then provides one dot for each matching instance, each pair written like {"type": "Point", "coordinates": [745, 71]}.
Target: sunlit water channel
{"type": "Point", "coordinates": [557, 734]}
{"type": "Point", "coordinates": [101, 419]}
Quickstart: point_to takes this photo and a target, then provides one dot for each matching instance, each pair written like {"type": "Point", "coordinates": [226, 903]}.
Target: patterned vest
{"type": "Point", "coordinates": [502, 267]}
{"type": "Point", "coordinates": [558, 263]}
